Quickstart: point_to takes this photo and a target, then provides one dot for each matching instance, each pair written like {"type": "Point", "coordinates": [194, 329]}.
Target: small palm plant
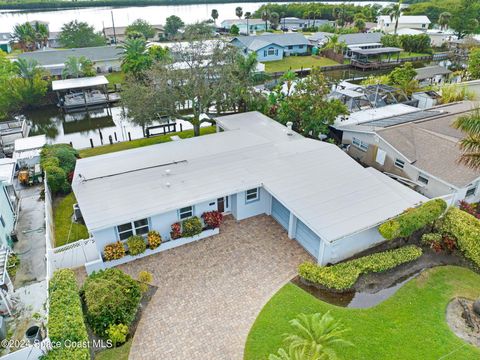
{"type": "Point", "coordinates": [314, 338]}
{"type": "Point", "coordinates": [470, 124]}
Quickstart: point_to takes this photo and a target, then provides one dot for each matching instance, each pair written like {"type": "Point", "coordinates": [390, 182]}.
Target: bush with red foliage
{"type": "Point", "coordinates": [176, 232]}
{"type": "Point", "coordinates": [472, 209]}
{"type": "Point", "coordinates": [449, 243]}
{"type": "Point", "coordinates": [212, 219]}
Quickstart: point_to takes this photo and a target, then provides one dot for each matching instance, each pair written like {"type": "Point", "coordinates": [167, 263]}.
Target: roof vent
{"type": "Point", "coordinates": [289, 128]}
{"type": "Point", "coordinates": [168, 172]}
{"type": "Point", "coordinates": [167, 184]}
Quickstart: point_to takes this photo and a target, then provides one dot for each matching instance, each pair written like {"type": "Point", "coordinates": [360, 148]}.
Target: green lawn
{"type": "Point", "coordinates": [297, 62]}
{"type": "Point", "coordinates": [119, 353]}
{"type": "Point", "coordinates": [115, 78]}
{"type": "Point", "coordinates": [62, 215]}
{"type": "Point", "coordinates": [404, 55]}
{"type": "Point", "coordinates": [125, 145]}
{"type": "Point", "coordinates": [409, 325]}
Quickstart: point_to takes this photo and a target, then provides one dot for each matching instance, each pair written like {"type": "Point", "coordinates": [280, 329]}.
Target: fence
{"type": "Point", "coordinates": [71, 255]}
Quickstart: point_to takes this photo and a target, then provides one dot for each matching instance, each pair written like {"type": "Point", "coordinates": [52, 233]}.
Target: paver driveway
{"type": "Point", "coordinates": [210, 292]}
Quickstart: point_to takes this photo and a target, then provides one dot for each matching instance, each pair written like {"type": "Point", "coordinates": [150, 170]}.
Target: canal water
{"type": "Point", "coordinates": [101, 17]}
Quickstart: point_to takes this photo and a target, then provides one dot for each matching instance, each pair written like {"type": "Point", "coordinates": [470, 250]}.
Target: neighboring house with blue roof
{"type": "Point", "coordinates": [272, 47]}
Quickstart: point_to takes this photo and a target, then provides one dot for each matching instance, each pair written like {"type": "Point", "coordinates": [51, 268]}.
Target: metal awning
{"type": "Point", "coordinates": [377, 51]}
{"type": "Point", "coordinates": [79, 83]}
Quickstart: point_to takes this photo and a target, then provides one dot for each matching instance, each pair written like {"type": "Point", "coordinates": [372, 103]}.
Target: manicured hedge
{"type": "Point", "coordinates": [343, 276]}
{"type": "Point", "coordinates": [65, 318]}
{"type": "Point", "coordinates": [58, 161]}
{"type": "Point", "coordinates": [413, 219]}
{"type": "Point", "coordinates": [111, 297]}
{"type": "Point", "coordinates": [466, 229]}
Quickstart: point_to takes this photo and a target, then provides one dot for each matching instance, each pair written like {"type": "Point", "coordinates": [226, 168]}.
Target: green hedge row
{"type": "Point", "coordinates": [466, 229]}
{"type": "Point", "coordinates": [413, 219]}
{"type": "Point", "coordinates": [344, 275]}
{"type": "Point", "coordinates": [65, 318]}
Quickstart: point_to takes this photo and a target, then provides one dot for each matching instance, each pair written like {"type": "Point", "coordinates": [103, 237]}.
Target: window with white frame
{"type": "Point", "coordinates": [251, 195]}
{"type": "Point", "coordinates": [399, 163]}
{"type": "Point", "coordinates": [137, 227]}
{"type": "Point", "coordinates": [360, 144]}
{"type": "Point", "coordinates": [471, 191]}
{"type": "Point", "coordinates": [185, 212]}
{"type": "Point", "coordinates": [271, 51]}
{"type": "Point", "coordinates": [423, 179]}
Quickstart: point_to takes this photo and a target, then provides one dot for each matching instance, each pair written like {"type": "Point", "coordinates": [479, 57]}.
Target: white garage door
{"type": "Point", "coordinates": [307, 238]}
{"type": "Point", "coordinates": [280, 213]}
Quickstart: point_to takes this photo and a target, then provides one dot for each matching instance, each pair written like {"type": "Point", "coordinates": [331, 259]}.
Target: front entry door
{"type": "Point", "coordinates": [221, 205]}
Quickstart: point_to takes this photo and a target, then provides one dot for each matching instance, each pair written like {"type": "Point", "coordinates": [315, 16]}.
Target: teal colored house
{"type": "Point", "coordinates": [272, 47]}
{"type": "Point", "coordinates": [7, 213]}
{"type": "Point", "coordinates": [253, 25]}
{"type": "Point", "coordinates": [5, 39]}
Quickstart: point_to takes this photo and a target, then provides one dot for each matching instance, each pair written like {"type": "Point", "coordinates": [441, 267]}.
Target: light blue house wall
{"type": "Point", "coordinates": [295, 49]}
{"type": "Point", "coordinates": [271, 52]}
{"type": "Point", "coordinates": [7, 216]}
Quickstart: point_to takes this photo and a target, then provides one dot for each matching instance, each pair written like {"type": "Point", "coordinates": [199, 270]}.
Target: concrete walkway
{"type": "Point", "coordinates": [31, 237]}
{"type": "Point", "coordinates": [210, 292]}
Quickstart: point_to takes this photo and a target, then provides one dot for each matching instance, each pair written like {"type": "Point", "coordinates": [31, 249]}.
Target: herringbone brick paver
{"type": "Point", "coordinates": [210, 292]}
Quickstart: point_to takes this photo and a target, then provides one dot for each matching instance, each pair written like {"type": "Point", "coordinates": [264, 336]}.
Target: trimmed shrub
{"type": "Point", "coordinates": [117, 334]}
{"type": "Point", "coordinates": [191, 226]}
{"type": "Point", "coordinates": [465, 228]}
{"type": "Point", "coordinates": [176, 232]}
{"type": "Point", "coordinates": [154, 239]}
{"type": "Point", "coordinates": [114, 251]}
{"type": "Point", "coordinates": [144, 278]}
{"type": "Point", "coordinates": [111, 297]}
{"type": "Point", "coordinates": [413, 219]}
{"type": "Point", "coordinates": [58, 161]}
{"type": "Point", "coordinates": [65, 318]}
{"type": "Point", "coordinates": [430, 238]}
{"type": "Point", "coordinates": [136, 245]}
{"type": "Point", "coordinates": [212, 219]}
{"type": "Point", "coordinates": [56, 179]}
{"type": "Point", "coordinates": [344, 275]}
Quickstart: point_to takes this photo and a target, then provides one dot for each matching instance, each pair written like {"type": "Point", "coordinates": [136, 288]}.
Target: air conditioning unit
{"type": "Point", "coordinates": [77, 214]}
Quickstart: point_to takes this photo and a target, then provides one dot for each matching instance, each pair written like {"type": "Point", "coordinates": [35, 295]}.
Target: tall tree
{"type": "Point", "coordinates": [206, 79]}
{"type": "Point", "coordinates": [41, 34]}
{"type": "Point", "coordinates": [172, 25]}
{"type": "Point", "coordinates": [474, 63]}
{"type": "Point", "coordinates": [31, 84]}
{"type": "Point", "coordinates": [239, 12]}
{"type": "Point", "coordinates": [24, 35]}
{"type": "Point", "coordinates": [141, 26]}
{"type": "Point", "coordinates": [248, 15]}
{"type": "Point", "coordinates": [214, 16]}
{"type": "Point", "coordinates": [274, 20]}
{"type": "Point", "coordinates": [135, 58]}
{"type": "Point", "coordinates": [395, 11]}
{"type": "Point", "coordinates": [314, 337]}
{"type": "Point", "coordinates": [77, 34]}
{"type": "Point", "coordinates": [465, 18]}
{"type": "Point", "coordinates": [470, 125]}
{"type": "Point", "coordinates": [7, 72]}
{"type": "Point", "coordinates": [265, 17]}
{"type": "Point", "coordinates": [444, 19]}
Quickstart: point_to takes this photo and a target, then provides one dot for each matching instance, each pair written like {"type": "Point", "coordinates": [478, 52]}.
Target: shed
{"type": "Point", "coordinates": [27, 150]}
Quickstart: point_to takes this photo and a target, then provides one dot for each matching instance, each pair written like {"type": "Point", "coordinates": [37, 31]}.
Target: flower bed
{"type": "Point", "coordinates": [341, 277]}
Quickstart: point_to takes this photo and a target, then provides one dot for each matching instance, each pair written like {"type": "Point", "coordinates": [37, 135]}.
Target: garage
{"type": "Point", "coordinates": [280, 213]}
{"type": "Point", "coordinates": [307, 238]}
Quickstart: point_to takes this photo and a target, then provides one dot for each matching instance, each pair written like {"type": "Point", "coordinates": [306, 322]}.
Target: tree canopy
{"type": "Point", "coordinates": [172, 25]}
{"type": "Point", "coordinates": [142, 27]}
{"type": "Point", "coordinates": [77, 34]}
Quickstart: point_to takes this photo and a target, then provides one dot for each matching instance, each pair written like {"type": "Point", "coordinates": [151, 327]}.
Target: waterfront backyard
{"type": "Point", "coordinates": [409, 325]}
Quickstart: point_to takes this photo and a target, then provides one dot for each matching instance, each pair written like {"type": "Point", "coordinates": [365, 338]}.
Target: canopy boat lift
{"type": "Point", "coordinates": [377, 58]}
{"type": "Point", "coordinates": [83, 93]}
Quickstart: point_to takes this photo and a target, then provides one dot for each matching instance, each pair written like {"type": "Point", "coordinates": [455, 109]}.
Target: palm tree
{"type": "Point", "coordinates": [135, 58]}
{"type": "Point", "coordinates": [248, 15]}
{"type": "Point", "coordinates": [41, 34]}
{"type": "Point", "coordinates": [72, 68]}
{"type": "Point", "coordinates": [470, 124]}
{"type": "Point", "coordinates": [316, 334]}
{"type": "Point", "coordinates": [214, 16]}
{"type": "Point", "coordinates": [24, 35]}
{"type": "Point", "coordinates": [444, 19]}
{"type": "Point", "coordinates": [395, 11]}
{"type": "Point", "coordinates": [335, 44]}
{"type": "Point", "coordinates": [27, 69]}
{"type": "Point", "coordinates": [239, 12]}
{"type": "Point", "coordinates": [265, 16]}
{"type": "Point", "coordinates": [274, 20]}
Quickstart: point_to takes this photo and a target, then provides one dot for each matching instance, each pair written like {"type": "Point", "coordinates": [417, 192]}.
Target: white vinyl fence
{"type": "Point", "coordinates": [71, 255]}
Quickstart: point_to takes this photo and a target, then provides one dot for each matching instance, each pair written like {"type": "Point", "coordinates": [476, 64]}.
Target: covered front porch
{"type": "Point", "coordinates": [377, 58]}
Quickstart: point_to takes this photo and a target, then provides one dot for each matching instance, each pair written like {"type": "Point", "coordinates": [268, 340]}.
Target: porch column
{"type": "Point", "coordinates": [268, 204]}
{"type": "Point", "coordinates": [292, 225]}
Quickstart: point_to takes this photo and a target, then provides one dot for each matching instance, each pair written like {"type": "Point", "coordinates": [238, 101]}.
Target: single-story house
{"type": "Point", "coordinates": [253, 165]}
{"type": "Point", "coordinates": [104, 58]}
{"type": "Point", "coordinates": [119, 33]}
{"type": "Point", "coordinates": [419, 149]}
{"type": "Point", "coordinates": [294, 23]}
{"type": "Point", "coordinates": [271, 47]}
{"type": "Point", "coordinates": [387, 24]}
{"type": "Point", "coordinates": [254, 25]}
{"type": "Point", "coordinates": [352, 41]}
{"type": "Point", "coordinates": [53, 40]}
{"type": "Point", "coordinates": [434, 74]}
{"type": "Point", "coordinates": [5, 42]}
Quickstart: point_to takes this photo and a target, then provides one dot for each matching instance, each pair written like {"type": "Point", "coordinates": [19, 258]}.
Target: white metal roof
{"type": "Point", "coordinates": [322, 186]}
{"type": "Point", "coordinates": [79, 83]}
{"type": "Point", "coordinates": [405, 19]}
{"type": "Point", "coordinates": [371, 114]}
{"type": "Point", "coordinates": [7, 170]}
{"type": "Point", "coordinates": [30, 143]}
